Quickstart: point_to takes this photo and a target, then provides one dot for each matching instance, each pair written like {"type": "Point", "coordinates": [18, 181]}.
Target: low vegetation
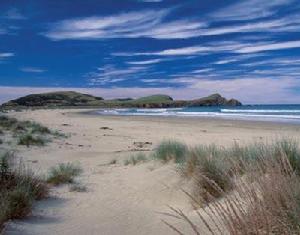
{"type": "Point", "coordinates": [171, 150]}
{"type": "Point", "coordinates": [252, 189]}
{"type": "Point", "coordinates": [29, 139]}
{"type": "Point", "coordinates": [78, 187]}
{"type": "Point", "coordinates": [135, 159]}
{"type": "Point", "coordinates": [63, 173]}
{"type": "Point", "coordinates": [19, 189]}
{"type": "Point", "coordinates": [26, 132]}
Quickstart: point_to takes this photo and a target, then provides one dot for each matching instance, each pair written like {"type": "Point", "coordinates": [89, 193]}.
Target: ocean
{"type": "Point", "coordinates": [275, 113]}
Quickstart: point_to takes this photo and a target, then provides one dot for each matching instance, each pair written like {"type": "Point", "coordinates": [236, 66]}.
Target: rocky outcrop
{"type": "Point", "coordinates": [214, 100]}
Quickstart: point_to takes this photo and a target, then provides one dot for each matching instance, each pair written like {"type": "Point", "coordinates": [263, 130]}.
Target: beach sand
{"type": "Point", "coordinates": [122, 199]}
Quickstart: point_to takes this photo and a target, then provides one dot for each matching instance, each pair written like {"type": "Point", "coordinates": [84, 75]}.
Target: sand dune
{"type": "Point", "coordinates": [121, 199]}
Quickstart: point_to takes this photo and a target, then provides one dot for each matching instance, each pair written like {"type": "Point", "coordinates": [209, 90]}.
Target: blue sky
{"type": "Point", "coordinates": [247, 49]}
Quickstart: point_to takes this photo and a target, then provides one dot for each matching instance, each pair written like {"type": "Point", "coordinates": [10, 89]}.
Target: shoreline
{"type": "Point", "coordinates": [187, 118]}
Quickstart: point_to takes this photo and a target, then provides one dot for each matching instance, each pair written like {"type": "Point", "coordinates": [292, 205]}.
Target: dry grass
{"type": "Point", "coordinates": [264, 196]}
{"type": "Point", "coordinates": [63, 173]}
{"type": "Point", "coordinates": [19, 189]}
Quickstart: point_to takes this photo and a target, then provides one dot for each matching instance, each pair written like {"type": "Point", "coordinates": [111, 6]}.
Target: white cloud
{"type": "Point", "coordinates": [269, 47]}
{"type": "Point", "coordinates": [144, 62]}
{"type": "Point", "coordinates": [154, 24]}
{"type": "Point", "coordinates": [6, 55]}
{"type": "Point", "coordinates": [192, 50]}
{"type": "Point", "coordinates": [32, 70]}
{"type": "Point", "coordinates": [150, 0]}
{"type": "Point", "coordinates": [178, 51]}
{"type": "Point", "coordinates": [126, 25]}
{"type": "Point", "coordinates": [250, 9]}
{"type": "Point", "coordinates": [111, 74]}
{"type": "Point", "coordinates": [228, 61]}
{"type": "Point", "coordinates": [263, 26]}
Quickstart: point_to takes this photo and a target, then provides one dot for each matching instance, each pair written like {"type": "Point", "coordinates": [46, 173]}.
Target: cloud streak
{"type": "Point", "coordinates": [270, 47]}
{"type": "Point", "coordinates": [32, 70]}
{"type": "Point", "coordinates": [250, 9]}
{"type": "Point", "coordinates": [125, 25]}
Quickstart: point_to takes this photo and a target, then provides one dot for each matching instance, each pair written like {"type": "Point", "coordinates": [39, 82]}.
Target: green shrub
{"type": "Point", "coordinates": [29, 139]}
{"type": "Point", "coordinates": [1, 141]}
{"type": "Point", "coordinates": [63, 173]}
{"type": "Point", "coordinates": [171, 150]}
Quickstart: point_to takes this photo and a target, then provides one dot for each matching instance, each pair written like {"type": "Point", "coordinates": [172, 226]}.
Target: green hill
{"type": "Point", "coordinates": [60, 98]}
{"type": "Point", "coordinates": [76, 99]}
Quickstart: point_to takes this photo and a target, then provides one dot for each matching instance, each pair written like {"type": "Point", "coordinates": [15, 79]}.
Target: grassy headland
{"type": "Point", "coordinates": [75, 99]}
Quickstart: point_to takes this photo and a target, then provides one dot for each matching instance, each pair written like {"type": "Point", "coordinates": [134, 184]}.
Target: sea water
{"type": "Point", "coordinates": [277, 113]}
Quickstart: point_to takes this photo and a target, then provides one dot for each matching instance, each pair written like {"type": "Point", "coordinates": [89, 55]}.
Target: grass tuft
{"type": "Point", "coordinates": [171, 151]}
{"type": "Point", "coordinates": [19, 189]}
{"type": "Point", "coordinates": [63, 173]}
{"type": "Point", "coordinates": [77, 187]}
{"type": "Point", "coordinates": [29, 139]}
{"type": "Point", "coordinates": [252, 189]}
{"type": "Point", "coordinates": [135, 159]}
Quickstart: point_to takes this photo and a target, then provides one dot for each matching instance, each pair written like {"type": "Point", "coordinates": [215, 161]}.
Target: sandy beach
{"type": "Point", "coordinates": [122, 199]}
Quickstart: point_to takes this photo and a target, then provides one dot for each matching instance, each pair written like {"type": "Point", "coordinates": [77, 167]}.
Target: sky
{"type": "Point", "coordinates": [244, 49]}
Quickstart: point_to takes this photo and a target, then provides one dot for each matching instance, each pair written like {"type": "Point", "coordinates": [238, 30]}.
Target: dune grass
{"type": "Point", "coordinates": [27, 132]}
{"type": "Point", "coordinates": [252, 189]}
{"type": "Point", "coordinates": [135, 159]}
{"type": "Point", "coordinates": [63, 173]}
{"type": "Point", "coordinates": [19, 189]}
{"type": "Point", "coordinates": [30, 139]}
{"type": "Point", "coordinates": [170, 150]}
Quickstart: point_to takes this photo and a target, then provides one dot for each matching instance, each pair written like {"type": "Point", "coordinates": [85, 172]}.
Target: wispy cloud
{"type": "Point", "coordinates": [126, 25]}
{"type": "Point", "coordinates": [112, 74]}
{"type": "Point", "coordinates": [6, 54]}
{"type": "Point", "coordinates": [150, 0]}
{"type": "Point", "coordinates": [269, 47]}
{"type": "Point", "coordinates": [32, 70]}
{"type": "Point", "coordinates": [144, 62]}
{"type": "Point", "coordinates": [154, 24]}
{"type": "Point", "coordinates": [192, 50]}
{"type": "Point", "coordinates": [250, 9]}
